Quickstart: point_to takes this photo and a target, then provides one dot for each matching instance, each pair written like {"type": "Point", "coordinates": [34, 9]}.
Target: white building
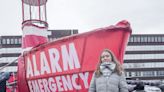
{"type": "Point", "coordinates": [144, 57]}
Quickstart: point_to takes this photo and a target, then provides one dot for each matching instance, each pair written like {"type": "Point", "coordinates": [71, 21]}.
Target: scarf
{"type": "Point", "coordinates": [106, 68]}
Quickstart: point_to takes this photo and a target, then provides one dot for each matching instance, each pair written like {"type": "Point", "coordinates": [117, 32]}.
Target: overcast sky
{"type": "Point", "coordinates": [145, 16]}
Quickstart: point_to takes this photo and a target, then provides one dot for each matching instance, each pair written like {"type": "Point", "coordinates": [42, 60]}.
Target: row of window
{"type": "Point", "coordinates": [10, 50]}
{"type": "Point", "coordinates": [143, 56]}
{"type": "Point", "coordinates": [144, 74]}
{"type": "Point", "coordinates": [132, 39]}
{"type": "Point", "coordinates": [11, 41]}
{"type": "Point", "coordinates": [10, 69]}
{"type": "Point", "coordinates": [146, 38]}
{"type": "Point", "coordinates": [7, 59]}
{"type": "Point", "coordinates": [145, 48]}
{"type": "Point", "coordinates": [16, 40]}
{"type": "Point", "coordinates": [143, 65]}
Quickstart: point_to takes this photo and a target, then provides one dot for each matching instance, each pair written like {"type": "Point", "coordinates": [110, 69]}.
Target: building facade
{"type": "Point", "coordinates": [10, 49]}
{"type": "Point", "coordinates": [144, 57]}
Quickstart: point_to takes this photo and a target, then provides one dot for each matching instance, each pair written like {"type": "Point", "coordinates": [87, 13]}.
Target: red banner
{"type": "Point", "coordinates": [66, 65]}
{"type": "Point", "coordinates": [21, 78]}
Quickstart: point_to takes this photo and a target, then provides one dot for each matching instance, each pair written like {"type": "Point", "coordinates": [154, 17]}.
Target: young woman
{"type": "Point", "coordinates": [109, 76]}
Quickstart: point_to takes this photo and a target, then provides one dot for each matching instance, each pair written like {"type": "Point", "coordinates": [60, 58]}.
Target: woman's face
{"type": "Point", "coordinates": [106, 57]}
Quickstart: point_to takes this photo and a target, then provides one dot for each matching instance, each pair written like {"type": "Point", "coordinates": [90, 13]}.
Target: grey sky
{"type": "Point", "coordinates": [145, 16]}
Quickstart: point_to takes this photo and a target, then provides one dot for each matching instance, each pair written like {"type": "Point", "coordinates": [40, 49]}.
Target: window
{"type": "Point", "coordinates": [12, 41]}
{"type": "Point", "coordinates": [138, 39]}
{"type": "Point", "coordinates": [149, 39]}
{"type": "Point", "coordinates": [159, 39]}
{"type": "Point", "coordinates": [131, 39]}
{"type": "Point", "coordinates": [130, 74]}
{"type": "Point", "coordinates": [3, 41]}
{"type": "Point", "coordinates": [156, 39]}
{"type": "Point", "coordinates": [142, 39]}
{"type": "Point", "coordinates": [135, 39]}
{"type": "Point", "coordinates": [160, 73]}
{"type": "Point", "coordinates": [152, 39]}
{"type": "Point", "coordinates": [138, 74]}
{"type": "Point", "coordinates": [145, 39]}
{"type": "Point", "coordinates": [20, 40]}
{"type": "Point", "coordinates": [8, 41]}
{"type": "Point", "coordinates": [148, 73]}
{"type": "Point", "coordinates": [16, 41]}
{"type": "Point", "coordinates": [163, 39]}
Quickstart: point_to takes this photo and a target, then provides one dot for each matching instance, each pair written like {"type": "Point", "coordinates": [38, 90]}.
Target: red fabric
{"type": "Point", "coordinates": [88, 47]}
{"type": "Point", "coordinates": [33, 40]}
{"type": "Point", "coordinates": [21, 80]}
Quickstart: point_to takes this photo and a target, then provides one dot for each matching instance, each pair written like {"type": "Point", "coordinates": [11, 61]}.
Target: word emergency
{"type": "Point", "coordinates": [59, 83]}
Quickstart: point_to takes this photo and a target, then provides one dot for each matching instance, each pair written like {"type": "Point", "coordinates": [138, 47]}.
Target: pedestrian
{"type": "Point", "coordinates": [109, 76]}
{"type": "Point", "coordinates": [139, 87]}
